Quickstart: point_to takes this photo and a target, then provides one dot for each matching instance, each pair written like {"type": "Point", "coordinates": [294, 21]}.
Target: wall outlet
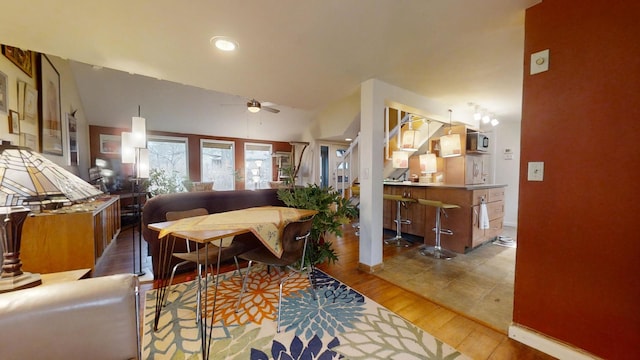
{"type": "Point", "coordinates": [535, 171]}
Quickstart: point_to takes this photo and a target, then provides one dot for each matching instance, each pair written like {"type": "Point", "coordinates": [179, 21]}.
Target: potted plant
{"type": "Point", "coordinates": [333, 211]}
{"type": "Point", "coordinates": [164, 182]}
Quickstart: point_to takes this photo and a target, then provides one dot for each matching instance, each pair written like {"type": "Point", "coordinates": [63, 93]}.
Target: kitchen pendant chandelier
{"type": "Point", "coordinates": [400, 159]}
{"type": "Point", "coordinates": [428, 164]}
{"type": "Point", "coordinates": [450, 144]}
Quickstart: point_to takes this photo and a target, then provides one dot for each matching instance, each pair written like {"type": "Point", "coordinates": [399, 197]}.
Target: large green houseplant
{"type": "Point", "coordinates": [333, 211]}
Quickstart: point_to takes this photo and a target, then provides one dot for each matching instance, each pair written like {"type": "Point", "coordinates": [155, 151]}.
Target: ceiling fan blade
{"type": "Point", "coordinates": [270, 109]}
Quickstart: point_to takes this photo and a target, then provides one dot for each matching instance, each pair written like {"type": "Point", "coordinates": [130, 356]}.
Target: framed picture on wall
{"type": "Point", "coordinates": [50, 115]}
{"type": "Point", "coordinates": [21, 58]}
{"type": "Point", "coordinates": [110, 144]}
{"type": "Point", "coordinates": [3, 92]}
{"type": "Point", "coordinates": [28, 107]}
{"type": "Point", "coordinates": [14, 122]}
{"type": "Point", "coordinates": [72, 126]}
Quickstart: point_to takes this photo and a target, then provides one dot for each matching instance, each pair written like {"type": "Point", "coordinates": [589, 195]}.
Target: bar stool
{"type": "Point", "coordinates": [437, 251]}
{"type": "Point", "coordinates": [400, 202]}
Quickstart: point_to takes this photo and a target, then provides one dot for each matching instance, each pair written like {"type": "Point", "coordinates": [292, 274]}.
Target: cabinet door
{"type": "Point", "coordinates": [477, 234]}
{"type": "Point", "coordinates": [495, 210]}
{"type": "Point", "coordinates": [495, 229]}
{"type": "Point", "coordinates": [496, 194]}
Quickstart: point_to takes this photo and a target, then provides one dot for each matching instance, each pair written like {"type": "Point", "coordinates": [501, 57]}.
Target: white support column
{"type": "Point", "coordinates": [371, 157]}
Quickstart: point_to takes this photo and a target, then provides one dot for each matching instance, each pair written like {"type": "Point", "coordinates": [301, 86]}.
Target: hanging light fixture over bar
{"type": "Point", "coordinates": [400, 159]}
{"type": "Point", "coordinates": [450, 144]}
{"type": "Point", "coordinates": [428, 164]}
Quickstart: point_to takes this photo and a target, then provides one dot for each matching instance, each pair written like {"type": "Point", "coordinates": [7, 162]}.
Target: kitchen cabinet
{"type": "Point", "coordinates": [70, 238]}
{"type": "Point", "coordinates": [467, 169]}
{"type": "Point", "coordinates": [413, 211]}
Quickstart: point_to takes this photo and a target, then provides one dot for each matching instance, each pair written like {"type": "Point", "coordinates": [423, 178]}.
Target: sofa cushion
{"type": "Point", "coordinates": [86, 319]}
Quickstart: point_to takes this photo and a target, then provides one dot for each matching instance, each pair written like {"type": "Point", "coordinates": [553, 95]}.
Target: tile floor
{"type": "Point", "coordinates": [478, 284]}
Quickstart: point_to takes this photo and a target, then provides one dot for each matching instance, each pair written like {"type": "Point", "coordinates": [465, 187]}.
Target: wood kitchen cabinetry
{"type": "Point", "coordinates": [70, 239]}
{"type": "Point", "coordinates": [412, 211]}
{"type": "Point", "coordinates": [463, 221]}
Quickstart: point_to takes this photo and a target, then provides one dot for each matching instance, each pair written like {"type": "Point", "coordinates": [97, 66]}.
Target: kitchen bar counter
{"type": "Point", "coordinates": [464, 222]}
{"type": "Point", "coordinates": [444, 186]}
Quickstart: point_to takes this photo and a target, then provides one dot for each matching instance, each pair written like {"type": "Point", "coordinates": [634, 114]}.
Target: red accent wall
{"type": "Point", "coordinates": [578, 257]}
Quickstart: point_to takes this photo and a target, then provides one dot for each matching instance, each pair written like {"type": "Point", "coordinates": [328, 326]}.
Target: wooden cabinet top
{"type": "Point", "coordinates": [92, 207]}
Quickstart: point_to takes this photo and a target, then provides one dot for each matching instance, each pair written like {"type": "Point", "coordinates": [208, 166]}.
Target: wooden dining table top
{"type": "Point", "coordinates": [266, 222]}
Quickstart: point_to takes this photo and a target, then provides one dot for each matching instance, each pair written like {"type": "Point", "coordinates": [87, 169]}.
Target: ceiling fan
{"type": "Point", "coordinates": [254, 106]}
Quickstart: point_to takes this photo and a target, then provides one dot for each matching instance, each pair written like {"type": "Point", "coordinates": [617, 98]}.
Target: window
{"type": "Point", "coordinates": [218, 163]}
{"type": "Point", "coordinates": [257, 165]}
{"type": "Point", "coordinates": [168, 154]}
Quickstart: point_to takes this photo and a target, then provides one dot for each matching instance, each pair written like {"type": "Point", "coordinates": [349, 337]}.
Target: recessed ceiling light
{"type": "Point", "coordinates": [348, 139]}
{"type": "Point", "coordinates": [224, 43]}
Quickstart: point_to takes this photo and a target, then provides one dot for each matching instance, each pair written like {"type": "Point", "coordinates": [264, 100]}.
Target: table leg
{"type": "Point", "coordinates": [164, 263]}
{"type": "Point", "coordinates": [207, 338]}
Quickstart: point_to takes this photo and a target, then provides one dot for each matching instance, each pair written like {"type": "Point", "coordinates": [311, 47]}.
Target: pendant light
{"type": "Point", "coordinates": [450, 143]}
{"type": "Point", "coordinates": [409, 137]}
{"type": "Point", "coordinates": [400, 159]}
{"type": "Point", "coordinates": [428, 164]}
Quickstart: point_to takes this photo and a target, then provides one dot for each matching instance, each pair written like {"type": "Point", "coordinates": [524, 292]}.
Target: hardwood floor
{"type": "Point", "coordinates": [469, 337]}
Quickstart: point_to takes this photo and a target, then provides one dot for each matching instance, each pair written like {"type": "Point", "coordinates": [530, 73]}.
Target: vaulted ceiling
{"type": "Point", "coordinates": [300, 55]}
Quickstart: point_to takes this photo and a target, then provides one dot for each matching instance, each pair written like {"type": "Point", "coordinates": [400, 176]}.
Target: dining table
{"type": "Point", "coordinates": [265, 222]}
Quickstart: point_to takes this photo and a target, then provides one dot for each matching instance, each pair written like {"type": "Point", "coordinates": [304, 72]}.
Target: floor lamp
{"type": "Point", "coordinates": [29, 182]}
{"type": "Point", "coordinates": [134, 151]}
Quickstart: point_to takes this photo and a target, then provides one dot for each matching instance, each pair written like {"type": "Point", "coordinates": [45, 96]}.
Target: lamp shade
{"type": "Point", "coordinates": [428, 164]}
{"type": "Point", "coordinates": [127, 152]}
{"type": "Point", "coordinates": [409, 139]}
{"type": "Point", "coordinates": [450, 145]}
{"type": "Point", "coordinates": [29, 179]}
{"type": "Point", "coordinates": [139, 132]}
{"type": "Point", "coordinates": [143, 163]}
{"type": "Point", "coordinates": [400, 159]}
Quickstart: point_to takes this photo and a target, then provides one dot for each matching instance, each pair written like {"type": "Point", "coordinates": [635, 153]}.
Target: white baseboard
{"type": "Point", "coordinates": [547, 345]}
{"type": "Point", "coordinates": [509, 223]}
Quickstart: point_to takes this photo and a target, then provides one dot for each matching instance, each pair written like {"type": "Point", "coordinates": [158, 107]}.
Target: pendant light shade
{"type": "Point", "coordinates": [128, 152]}
{"type": "Point", "coordinates": [409, 139]}
{"type": "Point", "coordinates": [450, 146]}
{"type": "Point", "coordinates": [428, 163]}
{"type": "Point", "coordinates": [139, 131]}
{"type": "Point", "coordinates": [143, 163]}
{"type": "Point", "coordinates": [400, 159]}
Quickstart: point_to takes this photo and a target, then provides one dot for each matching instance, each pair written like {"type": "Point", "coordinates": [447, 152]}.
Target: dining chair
{"type": "Point", "coordinates": [294, 244]}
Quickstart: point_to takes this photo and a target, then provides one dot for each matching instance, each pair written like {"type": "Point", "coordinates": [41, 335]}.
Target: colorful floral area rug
{"type": "Point", "coordinates": [338, 323]}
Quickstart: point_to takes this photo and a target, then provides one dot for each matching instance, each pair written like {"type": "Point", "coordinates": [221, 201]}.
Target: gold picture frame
{"type": "Point", "coordinates": [21, 58]}
{"type": "Point", "coordinates": [14, 122]}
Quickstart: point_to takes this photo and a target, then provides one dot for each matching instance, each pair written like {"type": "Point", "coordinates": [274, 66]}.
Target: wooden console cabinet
{"type": "Point", "coordinates": [464, 222]}
{"type": "Point", "coordinates": [71, 240]}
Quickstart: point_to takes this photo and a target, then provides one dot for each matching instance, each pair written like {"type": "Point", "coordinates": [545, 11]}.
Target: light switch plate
{"type": "Point", "coordinates": [535, 171]}
{"type": "Point", "coordinates": [539, 62]}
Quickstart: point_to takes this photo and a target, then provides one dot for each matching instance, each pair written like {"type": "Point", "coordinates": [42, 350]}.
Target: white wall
{"type": "Point", "coordinates": [506, 171]}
